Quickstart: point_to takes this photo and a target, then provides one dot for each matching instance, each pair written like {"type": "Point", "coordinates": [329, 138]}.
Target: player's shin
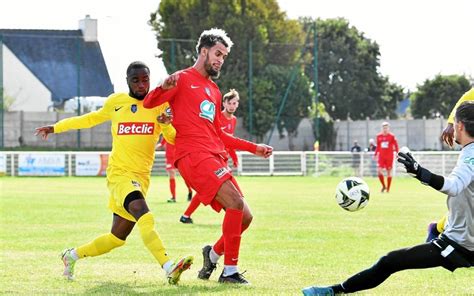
{"type": "Point", "coordinates": [151, 239]}
{"type": "Point", "coordinates": [173, 187]}
{"type": "Point", "coordinates": [193, 205]}
{"type": "Point", "coordinates": [232, 229]}
{"type": "Point", "coordinates": [101, 245]}
{"type": "Point", "coordinates": [218, 247]}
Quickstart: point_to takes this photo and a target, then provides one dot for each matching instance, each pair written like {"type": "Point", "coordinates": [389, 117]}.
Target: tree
{"type": "Point", "coordinates": [437, 97]}
{"type": "Point", "coordinates": [349, 83]}
{"type": "Point", "coordinates": [298, 100]}
{"type": "Point", "coordinates": [388, 103]}
{"type": "Point", "coordinates": [275, 41]}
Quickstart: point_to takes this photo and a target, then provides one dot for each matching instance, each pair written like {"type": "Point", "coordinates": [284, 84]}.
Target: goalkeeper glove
{"type": "Point", "coordinates": [414, 168]}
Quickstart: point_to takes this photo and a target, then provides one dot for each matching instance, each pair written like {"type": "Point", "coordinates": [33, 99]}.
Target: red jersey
{"type": "Point", "coordinates": [228, 126]}
{"type": "Point", "coordinates": [386, 145]}
{"type": "Point", "coordinates": [194, 102]}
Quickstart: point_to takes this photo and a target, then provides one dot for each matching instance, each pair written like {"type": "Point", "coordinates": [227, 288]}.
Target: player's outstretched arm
{"type": "Point", "coordinates": [416, 170]}
{"type": "Point", "coordinates": [264, 151]}
{"type": "Point", "coordinates": [44, 131]}
{"type": "Point", "coordinates": [168, 131]}
{"type": "Point", "coordinates": [163, 93]}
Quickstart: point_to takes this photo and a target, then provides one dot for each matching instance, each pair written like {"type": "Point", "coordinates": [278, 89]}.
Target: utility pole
{"type": "Point", "coordinates": [2, 109]}
{"type": "Point", "coordinates": [315, 81]}
{"type": "Point", "coordinates": [250, 86]}
{"type": "Point", "coordinates": [78, 69]}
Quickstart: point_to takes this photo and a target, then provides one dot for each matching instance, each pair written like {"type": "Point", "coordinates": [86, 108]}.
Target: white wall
{"type": "Point", "coordinates": [18, 82]}
{"type": "Point", "coordinates": [418, 134]}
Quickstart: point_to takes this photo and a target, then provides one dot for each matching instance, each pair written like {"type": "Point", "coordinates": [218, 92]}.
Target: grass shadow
{"type": "Point", "coordinates": [115, 288]}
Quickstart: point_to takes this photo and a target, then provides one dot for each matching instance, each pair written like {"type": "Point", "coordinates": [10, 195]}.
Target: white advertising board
{"type": "Point", "coordinates": [36, 164]}
{"type": "Point", "coordinates": [3, 164]}
{"type": "Point", "coordinates": [91, 164]}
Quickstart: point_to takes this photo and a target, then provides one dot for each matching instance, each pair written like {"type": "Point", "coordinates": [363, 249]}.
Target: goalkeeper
{"type": "Point", "coordinates": [455, 247]}
{"type": "Point", "coordinates": [435, 228]}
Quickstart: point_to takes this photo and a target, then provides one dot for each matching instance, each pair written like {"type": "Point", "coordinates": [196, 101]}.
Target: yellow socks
{"type": "Point", "coordinates": [151, 239]}
{"type": "Point", "coordinates": [107, 242]}
{"type": "Point", "coordinates": [441, 224]}
{"type": "Point", "coordinates": [101, 245]}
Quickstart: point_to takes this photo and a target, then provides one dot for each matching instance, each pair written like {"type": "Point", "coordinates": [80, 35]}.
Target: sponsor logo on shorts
{"type": "Point", "coordinates": [136, 128]}
{"type": "Point", "coordinates": [136, 184]}
{"type": "Point", "coordinates": [222, 171]}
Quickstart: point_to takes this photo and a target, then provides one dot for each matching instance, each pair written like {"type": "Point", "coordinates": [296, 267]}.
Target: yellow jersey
{"type": "Point", "coordinates": [135, 131]}
{"type": "Point", "coordinates": [468, 96]}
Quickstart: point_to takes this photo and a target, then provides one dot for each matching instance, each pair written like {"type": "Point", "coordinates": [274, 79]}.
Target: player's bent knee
{"type": "Point", "coordinates": [135, 204]}
{"type": "Point", "coordinates": [247, 219]}
{"type": "Point", "coordinates": [389, 261]}
{"type": "Point", "coordinates": [237, 202]}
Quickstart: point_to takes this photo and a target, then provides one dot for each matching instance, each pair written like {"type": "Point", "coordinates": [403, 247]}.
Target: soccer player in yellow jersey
{"type": "Point", "coordinates": [448, 133]}
{"type": "Point", "coordinates": [436, 228]}
{"type": "Point", "coordinates": [135, 131]}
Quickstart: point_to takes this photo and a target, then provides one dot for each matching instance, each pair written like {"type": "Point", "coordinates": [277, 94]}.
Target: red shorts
{"type": "Point", "coordinates": [205, 173]}
{"type": "Point", "coordinates": [385, 162]}
{"type": "Point", "coordinates": [169, 165]}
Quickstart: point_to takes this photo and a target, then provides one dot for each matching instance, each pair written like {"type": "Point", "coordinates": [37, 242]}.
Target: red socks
{"type": "Point", "coordinates": [193, 205]}
{"type": "Point", "coordinates": [382, 180]}
{"type": "Point", "coordinates": [219, 245]}
{"type": "Point", "coordinates": [389, 182]}
{"type": "Point", "coordinates": [173, 188]}
{"type": "Point", "coordinates": [231, 232]}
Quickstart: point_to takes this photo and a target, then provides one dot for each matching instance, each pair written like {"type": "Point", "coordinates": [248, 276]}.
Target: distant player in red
{"type": "Point", "coordinates": [387, 147]}
{"type": "Point", "coordinates": [230, 101]}
{"type": "Point", "coordinates": [201, 156]}
{"type": "Point", "coordinates": [171, 169]}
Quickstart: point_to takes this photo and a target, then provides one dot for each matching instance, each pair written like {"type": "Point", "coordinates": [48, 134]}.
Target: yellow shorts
{"type": "Point", "coordinates": [120, 186]}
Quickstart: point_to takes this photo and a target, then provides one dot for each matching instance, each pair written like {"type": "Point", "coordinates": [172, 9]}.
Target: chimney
{"type": "Point", "coordinates": [88, 27]}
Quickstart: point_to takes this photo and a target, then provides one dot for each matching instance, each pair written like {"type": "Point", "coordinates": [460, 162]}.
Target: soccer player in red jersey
{"type": "Point", "coordinates": [171, 169]}
{"type": "Point", "coordinates": [387, 146]}
{"type": "Point", "coordinates": [201, 155]}
{"type": "Point", "coordinates": [230, 101]}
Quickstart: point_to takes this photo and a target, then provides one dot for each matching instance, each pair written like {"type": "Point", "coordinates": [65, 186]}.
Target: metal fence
{"type": "Point", "coordinates": [279, 164]}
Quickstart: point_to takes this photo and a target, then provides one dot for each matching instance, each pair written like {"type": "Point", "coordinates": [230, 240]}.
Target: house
{"type": "Point", "coordinates": [41, 69]}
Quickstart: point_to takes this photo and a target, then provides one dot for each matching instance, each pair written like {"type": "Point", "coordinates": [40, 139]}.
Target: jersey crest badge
{"type": "Point", "coordinates": [134, 108]}
{"type": "Point", "coordinates": [469, 160]}
{"type": "Point", "coordinates": [208, 110]}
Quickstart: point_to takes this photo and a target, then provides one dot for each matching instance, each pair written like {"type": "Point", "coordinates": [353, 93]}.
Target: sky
{"type": "Point", "coordinates": [418, 39]}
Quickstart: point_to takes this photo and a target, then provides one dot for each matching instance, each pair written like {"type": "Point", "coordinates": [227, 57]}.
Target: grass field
{"type": "Point", "coordinates": [299, 237]}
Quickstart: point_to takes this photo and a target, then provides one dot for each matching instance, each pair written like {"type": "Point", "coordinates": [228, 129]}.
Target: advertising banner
{"type": "Point", "coordinates": [36, 164]}
{"type": "Point", "coordinates": [91, 164]}
{"type": "Point", "coordinates": [3, 164]}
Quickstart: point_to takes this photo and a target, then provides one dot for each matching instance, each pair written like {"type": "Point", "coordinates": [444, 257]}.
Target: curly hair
{"type": "Point", "coordinates": [209, 38]}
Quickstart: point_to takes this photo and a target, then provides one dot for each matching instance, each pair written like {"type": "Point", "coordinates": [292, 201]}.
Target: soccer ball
{"type": "Point", "coordinates": [352, 194]}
